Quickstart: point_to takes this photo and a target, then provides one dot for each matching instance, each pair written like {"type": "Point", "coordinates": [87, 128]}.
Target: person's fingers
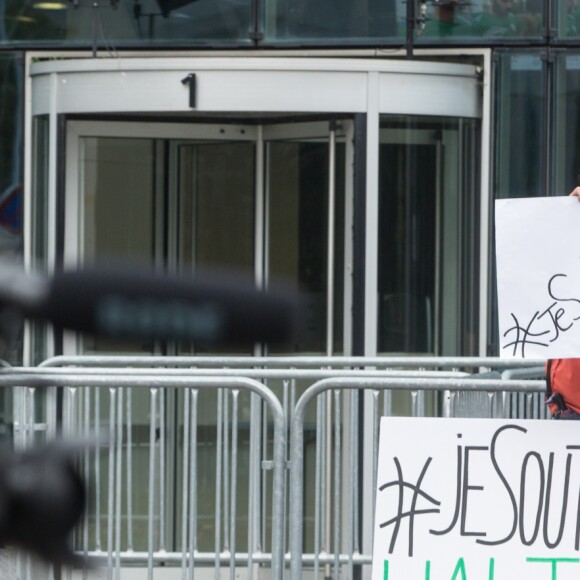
{"type": "Point", "coordinates": [576, 192]}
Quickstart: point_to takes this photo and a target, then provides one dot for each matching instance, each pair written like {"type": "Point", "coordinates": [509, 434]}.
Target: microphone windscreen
{"type": "Point", "coordinates": [129, 303]}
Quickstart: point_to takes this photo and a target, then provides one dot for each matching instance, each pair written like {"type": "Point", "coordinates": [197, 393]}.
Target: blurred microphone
{"type": "Point", "coordinates": [42, 499]}
{"type": "Point", "coordinates": [130, 303]}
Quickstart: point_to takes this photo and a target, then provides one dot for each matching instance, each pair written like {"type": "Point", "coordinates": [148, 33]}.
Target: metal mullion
{"type": "Point", "coordinates": [260, 212]}
{"type": "Point", "coordinates": [330, 326]}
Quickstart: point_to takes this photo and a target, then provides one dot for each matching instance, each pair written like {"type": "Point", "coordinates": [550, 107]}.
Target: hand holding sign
{"type": "Point", "coordinates": [538, 273]}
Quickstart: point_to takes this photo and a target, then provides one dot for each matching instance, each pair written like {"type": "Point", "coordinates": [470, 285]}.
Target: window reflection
{"type": "Point", "coordinates": [110, 24]}
{"type": "Point", "coordinates": [569, 19]}
{"type": "Point", "coordinates": [324, 19]}
{"type": "Point", "coordinates": [107, 23]}
{"type": "Point", "coordinates": [474, 19]}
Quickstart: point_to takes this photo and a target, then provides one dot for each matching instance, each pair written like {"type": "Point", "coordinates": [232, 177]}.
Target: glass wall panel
{"type": "Point", "coordinates": [111, 24]}
{"type": "Point", "coordinates": [566, 153]}
{"type": "Point", "coordinates": [342, 20]}
{"type": "Point", "coordinates": [427, 236]}
{"type": "Point", "coordinates": [39, 234]}
{"type": "Point", "coordinates": [567, 19]}
{"type": "Point", "coordinates": [380, 21]}
{"type": "Point", "coordinates": [11, 164]}
{"type": "Point", "coordinates": [11, 154]}
{"type": "Point", "coordinates": [493, 19]}
{"type": "Point", "coordinates": [520, 130]}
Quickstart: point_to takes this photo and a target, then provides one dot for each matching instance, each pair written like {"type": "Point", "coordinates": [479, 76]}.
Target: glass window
{"type": "Point", "coordinates": [482, 19]}
{"type": "Point", "coordinates": [567, 19]}
{"type": "Point", "coordinates": [319, 20]}
{"type": "Point", "coordinates": [11, 154]}
{"type": "Point", "coordinates": [322, 20]}
{"type": "Point", "coordinates": [520, 148]}
{"type": "Point", "coordinates": [567, 124]}
{"type": "Point", "coordinates": [11, 162]}
{"type": "Point", "coordinates": [109, 24]}
{"type": "Point", "coordinates": [39, 232]}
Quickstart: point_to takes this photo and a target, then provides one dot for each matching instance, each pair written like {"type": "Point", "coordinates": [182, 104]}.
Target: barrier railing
{"type": "Point", "coordinates": [321, 532]}
{"type": "Point", "coordinates": [155, 383]}
{"type": "Point", "coordinates": [352, 555]}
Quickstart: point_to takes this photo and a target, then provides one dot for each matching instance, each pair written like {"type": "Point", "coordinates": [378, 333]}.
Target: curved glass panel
{"type": "Point", "coordinates": [108, 24]}
{"type": "Point", "coordinates": [427, 278]}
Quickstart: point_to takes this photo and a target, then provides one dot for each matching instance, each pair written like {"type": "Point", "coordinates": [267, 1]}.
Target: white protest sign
{"type": "Point", "coordinates": [538, 277]}
{"type": "Point", "coordinates": [477, 499]}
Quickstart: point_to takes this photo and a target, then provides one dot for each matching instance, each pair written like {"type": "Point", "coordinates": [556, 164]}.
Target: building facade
{"type": "Point", "coordinates": [366, 135]}
{"type": "Point", "coordinates": [352, 149]}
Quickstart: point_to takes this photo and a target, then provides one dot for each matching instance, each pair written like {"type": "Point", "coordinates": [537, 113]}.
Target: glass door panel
{"type": "Point", "coordinates": [118, 199]}
{"type": "Point", "coordinates": [215, 206]}
{"type": "Point", "coordinates": [197, 203]}
{"type": "Point", "coordinates": [298, 174]}
{"type": "Point", "coordinates": [117, 212]}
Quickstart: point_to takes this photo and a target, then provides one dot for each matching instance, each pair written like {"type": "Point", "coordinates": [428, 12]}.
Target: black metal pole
{"type": "Point", "coordinates": [410, 27]}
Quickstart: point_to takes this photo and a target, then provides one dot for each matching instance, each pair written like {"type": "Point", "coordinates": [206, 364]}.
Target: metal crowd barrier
{"type": "Point", "coordinates": [353, 555]}
{"type": "Point", "coordinates": [320, 527]}
{"type": "Point", "coordinates": [113, 555]}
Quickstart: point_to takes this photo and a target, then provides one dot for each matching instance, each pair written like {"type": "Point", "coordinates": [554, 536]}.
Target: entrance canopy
{"type": "Point", "coordinates": [177, 85]}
